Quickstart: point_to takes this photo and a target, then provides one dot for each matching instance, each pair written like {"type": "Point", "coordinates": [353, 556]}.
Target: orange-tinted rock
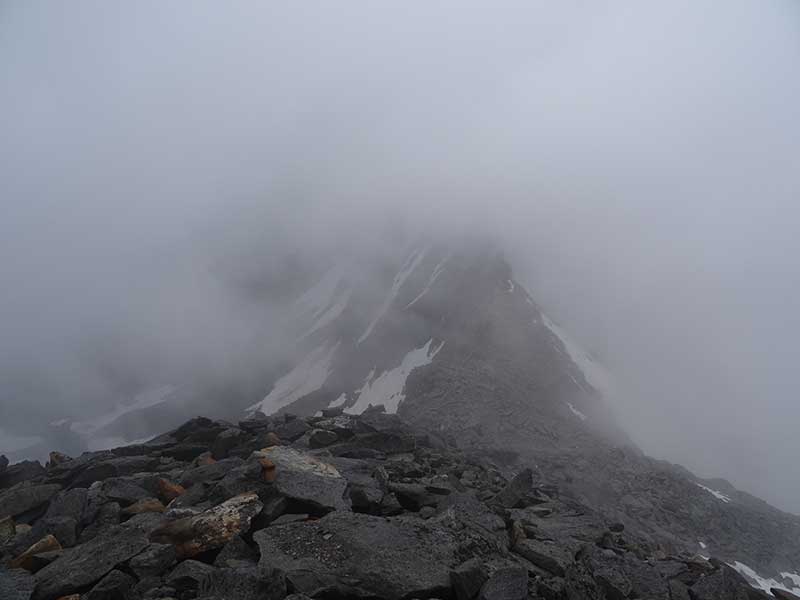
{"type": "Point", "coordinates": [168, 490]}
{"type": "Point", "coordinates": [143, 506]}
{"type": "Point", "coordinates": [25, 560]}
{"type": "Point", "coordinates": [268, 470]}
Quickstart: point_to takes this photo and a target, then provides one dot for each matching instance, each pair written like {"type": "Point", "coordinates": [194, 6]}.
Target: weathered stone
{"type": "Point", "coordinates": [83, 565]}
{"type": "Point", "coordinates": [244, 583]}
{"type": "Point", "coordinates": [292, 430]}
{"type": "Point", "coordinates": [123, 491]}
{"type": "Point", "coordinates": [361, 555]}
{"type": "Point", "coordinates": [319, 438]}
{"type": "Point", "coordinates": [307, 479]}
{"type": "Point", "coordinates": [56, 458]}
{"type": "Point", "coordinates": [227, 441]}
{"type": "Point", "coordinates": [8, 529]}
{"type": "Point", "coordinates": [212, 528]}
{"type": "Point", "coordinates": [27, 470]}
{"type": "Point", "coordinates": [234, 553]}
{"type": "Point", "coordinates": [15, 584]}
{"type": "Point", "coordinates": [209, 472]}
{"type": "Point", "coordinates": [512, 495]}
{"type": "Point", "coordinates": [22, 498]}
{"type": "Point", "coordinates": [507, 583]}
{"type": "Point", "coordinates": [545, 554]}
{"type": "Point", "coordinates": [26, 561]}
{"type": "Point", "coordinates": [153, 561]}
{"type": "Point", "coordinates": [169, 490]}
{"type": "Point", "coordinates": [468, 579]}
{"type": "Point", "coordinates": [142, 506]}
{"type": "Point", "coordinates": [188, 575]}
{"type": "Point", "coordinates": [114, 586]}
{"type": "Point", "coordinates": [289, 518]}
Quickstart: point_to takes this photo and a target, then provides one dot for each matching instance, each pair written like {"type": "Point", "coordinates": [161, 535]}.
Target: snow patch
{"type": "Point", "coordinates": [576, 412]}
{"type": "Point", "coordinates": [308, 376]}
{"type": "Point", "coordinates": [765, 583]}
{"type": "Point", "coordinates": [715, 493]}
{"type": "Point", "coordinates": [702, 545]}
{"type": "Point", "coordinates": [510, 287]}
{"type": "Point", "coordinates": [412, 262]}
{"type": "Point", "coordinates": [597, 376]}
{"type": "Point", "coordinates": [437, 270]}
{"type": "Point", "coordinates": [338, 402]}
{"type": "Point", "coordinates": [388, 387]}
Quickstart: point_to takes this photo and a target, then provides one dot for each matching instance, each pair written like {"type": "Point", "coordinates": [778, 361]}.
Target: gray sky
{"type": "Point", "coordinates": [640, 161]}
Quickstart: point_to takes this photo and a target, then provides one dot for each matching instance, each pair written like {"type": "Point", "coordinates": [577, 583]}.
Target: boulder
{"type": "Point", "coordinates": [468, 579]}
{"type": "Point", "coordinates": [27, 470]}
{"type": "Point", "coordinates": [210, 529]}
{"type": "Point", "coordinates": [8, 529]}
{"type": "Point", "coordinates": [15, 584]}
{"type": "Point", "coordinates": [319, 438]}
{"type": "Point", "coordinates": [87, 563]}
{"type": "Point", "coordinates": [188, 575]}
{"type": "Point", "coordinates": [26, 559]}
{"type": "Point", "coordinates": [244, 583]}
{"type": "Point", "coordinates": [122, 491]}
{"type": "Point", "coordinates": [515, 491]}
{"type": "Point", "coordinates": [545, 554]}
{"type": "Point", "coordinates": [227, 441]}
{"type": "Point", "coordinates": [361, 555]}
{"type": "Point", "coordinates": [169, 490]}
{"type": "Point", "coordinates": [153, 560]}
{"type": "Point", "coordinates": [783, 594]}
{"type": "Point", "coordinates": [236, 552]}
{"type": "Point", "coordinates": [507, 583]}
{"type": "Point", "coordinates": [114, 586]}
{"type": "Point", "coordinates": [724, 584]}
{"type": "Point", "coordinates": [142, 506]}
{"type": "Point", "coordinates": [307, 479]}
{"type": "Point", "coordinates": [25, 497]}
{"type": "Point", "coordinates": [292, 430]}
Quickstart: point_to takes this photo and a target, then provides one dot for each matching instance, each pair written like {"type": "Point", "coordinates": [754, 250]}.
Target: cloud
{"type": "Point", "coordinates": [640, 164]}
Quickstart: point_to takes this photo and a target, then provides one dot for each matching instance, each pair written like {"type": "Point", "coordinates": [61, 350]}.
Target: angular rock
{"type": "Point", "coordinates": [512, 495]}
{"type": "Point", "coordinates": [507, 583]}
{"type": "Point", "coordinates": [724, 584]}
{"type": "Point", "coordinates": [545, 554]}
{"type": "Point", "coordinates": [8, 529]}
{"type": "Point", "coordinates": [234, 553]}
{"type": "Point", "coordinates": [26, 559]}
{"type": "Point", "coordinates": [153, 561]}
{"type": "Point", "coordinates": [83, 565]}
{"type": "Point", "coordinates": [307, 479]}
{"type": "Point", "coordinates": [114, 586]}
{"type": "Point", "coordinates": [123, 491]}
{"type": "Point", "coordinates": [361, 555]}
{"type": "Point", "coordinates": [27, 470]}
{"type": "Point", "coordinates": [319, 438]}
{"type": "Point", "coordinates": [143, 506]}
{"type": "Point", "coordinates": [227, 441]}
{"type": "Point", "coordinates": [292, 430]}
{"type": "Point", "coordinates": [210, 529]}
{"type": "Point", "coordinates": [15, 584]}
{"type": "Point", "coordinates": [783, 594]}
{"type": "Point", "coordinates": [244, 583]}
{"type": "Point", "coordinates": [169, 490]}
{"type": "Point", "coordinates": [468, 579]}
{"type": "Point", "coordinates": [188, 575]}
{"type": "Point", "coordinates": [23, 498]}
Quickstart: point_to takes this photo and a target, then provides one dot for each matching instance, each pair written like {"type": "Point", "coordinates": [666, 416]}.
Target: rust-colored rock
{"type": "Point", "coordinates": [57, 458]}
{"type": "Point", "coordinates": [26, 561]}
{"type": "Point", "coordinates": [144, 505]}
{"type": "Point", "coordinates": [204, 459]}
{"type": "Point", "coordinates": [210, 529]}
{"type": "Point", "coordinates": [168, 490]}
{"type": "Point", "coordinates": [268, 470]}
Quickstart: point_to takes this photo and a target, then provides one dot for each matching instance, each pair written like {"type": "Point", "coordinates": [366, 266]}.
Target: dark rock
{"type": "Point", "coordinates": [307, 479]}
{"type": "Point", "coordinates": [546, 555]}
{"type": "Point", "coordinates": [292, 430]}
{"type": "Point", "coordinates": [27, 470]}
{"type": "Point", "coordinates": [83, 565]}
{"type": "Point", "coordinates": [26, 560]}
{"type": "Point", "coordinates": [234, 553]}
{"type": "Point", "coordinates": [211, 472]}
{"type": "Point", "coordinates": [114, 586]}
{"type": "Point", "coordinates": [507, 583]}
{"type": "Point", "coordinates": [332, 412]}
{"type": "Point", "coordinates": [468, 579]}
{"type": "Point", "coordinates": [361, 555]}
{"type": "Point", "coordinates": [616, 527]}
{"type": "Point", "coordinates": [15, 584]}
{"type": "Point", "coordinates": [724, 584]}
{"type": "Point", "coordinates": [24, 497]}
{"type": "Point", "coordinates": [153, 561]}
{"type": "Point", "coordinates": [227, 441]}
{"type": "Point", "coordinates": [3, 464]}
{"type": "Point", "coordinates": [123, 491]}
{"type": "Point", "coordinates": [289, 518]}
{"type": "Point", "coordinates": [8, 529]}
{"type": "Point", "coordinates": [783, 594]}
{"type": "Point", "coordinates": [512, 495]}
{"type": "Point", "coordinates": [185, 451]}
{"type": "Point", "coordinates": [246, 583]}
{"type": "Point", "coordinates": [319, 438]}
{"type": "Point", "coordinates": [211, 529]}
{"type": "Point", "coordinates": [414, 496]}
{"type": "Point", "coordinates": [107, 516]}
{"type": "Point", "coordinates": [189, 575]}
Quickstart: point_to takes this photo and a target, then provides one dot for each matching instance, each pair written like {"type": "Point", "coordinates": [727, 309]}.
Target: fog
{"type": "Point", "coordinates": [639, 163]}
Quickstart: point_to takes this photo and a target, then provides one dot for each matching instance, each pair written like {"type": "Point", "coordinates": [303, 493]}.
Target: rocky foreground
{"type": "Point", "coordinates": [336, 506]}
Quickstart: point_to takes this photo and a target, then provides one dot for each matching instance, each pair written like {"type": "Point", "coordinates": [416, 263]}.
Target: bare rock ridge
{"type": "Point", "coordinates": [361, 517]}
{"type": "Point", "coordinates": [494, 468]}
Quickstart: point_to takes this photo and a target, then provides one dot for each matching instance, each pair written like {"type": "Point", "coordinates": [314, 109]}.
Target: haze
{"type": "Point", "coordinates": [640, 163]}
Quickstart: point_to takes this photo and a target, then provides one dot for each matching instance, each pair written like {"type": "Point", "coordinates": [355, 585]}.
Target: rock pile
{"type": "Point", "coordinates": [335, 506]}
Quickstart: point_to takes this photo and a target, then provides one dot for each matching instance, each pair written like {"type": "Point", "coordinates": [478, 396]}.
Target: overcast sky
{"type": "Point", "coordinates": [639, 161]}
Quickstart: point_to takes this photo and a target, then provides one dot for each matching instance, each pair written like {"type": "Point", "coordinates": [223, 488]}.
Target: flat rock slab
{"type": "Point", "coordinates": [362, 556]}
{"type": "Point", "coordinates": [307, 479]}
{"type": "Point", "coordinates": [86, 564]}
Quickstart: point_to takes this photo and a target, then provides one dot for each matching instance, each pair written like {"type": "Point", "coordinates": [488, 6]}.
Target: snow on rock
{"type": "Point", "coordinates": [144, 400]}
{"type": "Point", "coordinates": [576, 412]}
{"type": "Point", "coordinates": [715, 493]}
{"type": "Point", "coordinates": [330, 314]}
{"type": "Point", "coordinates": [412, 262]}
{"type": "Point", "coordinates": [308, 376]}
{"type": "Point", "coordinates": [388, 387]}
{"type": "Point", "coordinates": [597, 376]}
{"type": "Point", "coordinates": [437, 270]}
{"type": "Point", "coordinates": [766, 583]}
{"type": "Point", "coordinates": [702, 545]}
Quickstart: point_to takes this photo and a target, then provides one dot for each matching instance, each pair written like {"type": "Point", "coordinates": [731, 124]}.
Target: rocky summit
{"type": "Point", "coordinates": [434, 435]}
{"type": "Point", "coordinates": [355, 506]}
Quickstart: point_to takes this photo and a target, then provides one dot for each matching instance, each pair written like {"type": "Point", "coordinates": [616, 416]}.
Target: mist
{"type": "Point", "coordinates": [639, 164]}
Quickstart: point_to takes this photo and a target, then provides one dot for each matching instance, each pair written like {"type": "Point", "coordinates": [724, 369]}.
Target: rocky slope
{"type": "Point", "coordinates": [335, 506]}
{"type": "Point", "coordinates": [447, 340]}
